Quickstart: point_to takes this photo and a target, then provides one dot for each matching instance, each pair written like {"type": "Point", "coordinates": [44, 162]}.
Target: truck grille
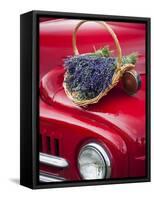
{"type": "Point", "coordinates": [50, 155]}
{"type": "Point", "coordinates": [49, 144]}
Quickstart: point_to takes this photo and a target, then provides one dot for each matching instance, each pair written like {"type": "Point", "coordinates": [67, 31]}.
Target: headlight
{"type": "Point", "coordinates": [93, 162]}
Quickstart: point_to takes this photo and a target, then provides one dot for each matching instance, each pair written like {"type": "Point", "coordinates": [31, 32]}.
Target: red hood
{"type": "Point", "coordinates": [125, 113]}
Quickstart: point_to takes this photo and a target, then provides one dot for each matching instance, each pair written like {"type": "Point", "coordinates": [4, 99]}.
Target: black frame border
{"type": "Point", "coordinates": [29, 96]}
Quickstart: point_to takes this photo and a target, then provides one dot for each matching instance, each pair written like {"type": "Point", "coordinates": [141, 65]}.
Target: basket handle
{"type": "Point", "coordinates": [116, 41]}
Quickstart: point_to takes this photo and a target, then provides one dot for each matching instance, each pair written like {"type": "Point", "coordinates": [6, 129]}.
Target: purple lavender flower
{"type": "Point", "coordinates": [88, 75]}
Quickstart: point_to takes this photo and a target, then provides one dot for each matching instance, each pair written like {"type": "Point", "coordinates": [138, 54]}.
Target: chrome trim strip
{"type": "Point", "coordinates": [53, 160]}
{"type": "Point", "coordinates": [46, 177]}
{"type": "Point", "coordinates": [100, 149]}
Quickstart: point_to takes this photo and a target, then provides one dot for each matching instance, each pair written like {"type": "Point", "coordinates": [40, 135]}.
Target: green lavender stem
{"type": "Point", "coordinates": [130, 59]}
{"type": "Point", "coordinates": [106, 52]}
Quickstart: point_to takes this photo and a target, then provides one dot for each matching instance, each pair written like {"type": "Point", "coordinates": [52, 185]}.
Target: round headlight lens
{"type": "Point", "coordinates": [94, 162]}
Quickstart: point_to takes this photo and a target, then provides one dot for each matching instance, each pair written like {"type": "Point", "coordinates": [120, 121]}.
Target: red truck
{"type": "Point", "coordinates": [104, 140]}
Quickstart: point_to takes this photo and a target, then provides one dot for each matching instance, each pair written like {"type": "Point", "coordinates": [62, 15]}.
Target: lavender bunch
{"type": "Point", "coordinates": [88, 75]}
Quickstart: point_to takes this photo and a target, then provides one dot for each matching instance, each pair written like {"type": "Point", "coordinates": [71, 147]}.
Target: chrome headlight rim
{"type": "Point", "coordinates": [101, 150]}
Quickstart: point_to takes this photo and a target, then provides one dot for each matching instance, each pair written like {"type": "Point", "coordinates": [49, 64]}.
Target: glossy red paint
{"type": "Point", "coordinates": [117, 122]}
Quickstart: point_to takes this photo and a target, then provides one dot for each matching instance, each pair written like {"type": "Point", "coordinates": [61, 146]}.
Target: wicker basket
{"type": "Point", "coordinates": [119, 71]}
